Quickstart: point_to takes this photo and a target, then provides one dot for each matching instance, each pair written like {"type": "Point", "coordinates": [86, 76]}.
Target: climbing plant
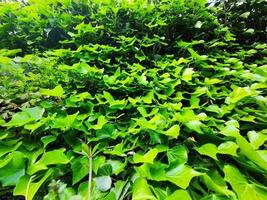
{"type": "Point", "coordinates": [113, 100]}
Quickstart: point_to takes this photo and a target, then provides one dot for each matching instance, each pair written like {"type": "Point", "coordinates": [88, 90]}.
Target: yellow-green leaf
{"type": "Point", "coordinates": [141, 190]}
{"type": "Point", "coordinates": [181, 175]}
{"type": "Point", "coordinates": [56, 92]}
{"type": "Point", "coordinates": [146, 158]}
{"type": "Point", "coordinates": [174, 131]}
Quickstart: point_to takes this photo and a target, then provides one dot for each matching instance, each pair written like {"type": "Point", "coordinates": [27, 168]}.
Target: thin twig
{"type": "Point", "coordinates": [90, 173]}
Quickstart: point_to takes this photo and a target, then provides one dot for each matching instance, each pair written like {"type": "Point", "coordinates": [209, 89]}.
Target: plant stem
{"type": "Point", "coordinates": [28, 187]}
{"type": "Point", "coordinates": [90, 173]}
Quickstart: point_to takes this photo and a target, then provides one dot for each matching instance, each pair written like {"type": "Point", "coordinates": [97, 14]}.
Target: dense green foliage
{"type": "Point", "coordinates": [133, 100]}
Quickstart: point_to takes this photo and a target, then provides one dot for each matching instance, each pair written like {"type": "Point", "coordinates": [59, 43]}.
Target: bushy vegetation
{"type": "Point", "coordinates": [133, 99]}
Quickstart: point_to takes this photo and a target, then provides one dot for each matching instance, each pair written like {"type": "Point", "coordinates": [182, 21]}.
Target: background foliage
{"type": "Point", "coordinates": [155, 99]}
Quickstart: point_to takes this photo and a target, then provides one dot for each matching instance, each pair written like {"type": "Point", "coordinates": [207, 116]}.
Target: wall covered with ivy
{"type": "Point", "coordinates": [133, 99]}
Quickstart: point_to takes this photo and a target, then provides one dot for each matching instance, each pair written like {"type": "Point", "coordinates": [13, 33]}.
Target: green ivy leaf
{"type": "Point", "coordinates": [65, 122]}
{"type": "Point", "coordinates": [245, 147]}
{"type": "Point", "coordinates": [97, 162]}
{"type": "Point", "coordinates": [177, 154]}
{"type": "Point", "coordinates": [249, 152]}
{"type": "Point", "coordinates": [228, 147]}
{"type": "Point", "coordinates": [100, 122]}
{"type": "Point", "coordinates": [154, 171]}
{"type": "Point", "coordinates": [186, 116]}
{"type": "Point", "coordinates": [106, 131]}
{"type": "Point", "coordinates": [103, 183]}
{"type": "Point", "coordinates": [108, 97]}
{"type": "Point", "coordinates": [245, 14]}
{"type": "Point", "coordinates": [9, 146]}
{"type": "Point", "coordinates": [198, 24]}
{"type": "Point", "coordinates": [48, 139]}
{"type": "Point", "coordinates": [80, 168]}
{"type": "Point", "coordinates": [13, 169]}
{"type": "Point", "coordinates": [212, 185]}
{"type": "Point", "coordinates": [86, 150]}
{"type": "Point", "coordinates": [208, 150]}
{"type": "Point", "coordinates": [120, 189]}
{"type": "Point", "coordinates": [148, 98]}
{"type": "Point", "coordinates": [117, 166]}
{"type": "Point", "coordinates": [187, 74]}
{"type": "Point", "coordinates": [195, 125]}
{"type": "Point", "coordinates": [215, 197]}
{"type": "Point", "coordinates": [27, 115]}
{"type": "Point", "coordinates": [179, 194]}
{"type": "Point", "coordinates": [212, 150]}
{"type": "Point", "coordinates": [174, 131]}
{"type": "Point", "coordinates": [146, 158]}
{"type": "Point", "coordinates": [34, 126]}
{"type": "Point", "coordinates": [27, 188]}
{"type": "Point", "coordinates": [256, 139]}
{"type": "Point", "coordinates": [140, 57]}
{"type": "Point", "coordinates": [195, 55]}
{"type": "Point", "coordinates": [56, 92]}
{"type": "Point", "coordinates": [238, 94]}
{"type": "Point", "coordinates": [105, 170]}
{"type": "Point", "coordinates": [181, 175]}
{"type": "Point", "coordinates": [141, 190]}
{"type": "Point", "coordinates": [241, 186]}
{"type": "Point", "coordinates": [48, 158]}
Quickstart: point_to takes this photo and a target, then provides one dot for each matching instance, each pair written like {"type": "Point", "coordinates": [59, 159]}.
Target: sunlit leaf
{"type": "Point", "coordinates": [177, 154]}
{"type": "Point", "coordinates": [179, 194]}
{"type": "Point", "coordinates": [141, 190]}
{"type": "Point", "coordinates": [56, 92]}
{"type": "Point", "coordinates": [187, 74]}
{"type": "Point", "coordinates": [146, 158]}
{"type": "Point", "coordinates": [181, 175]}
{"type": "Point", "coordinates": [27, 115]}
{"type": "Point", "coordinates": [241, 186]}
{"type": "Point", "coordinates": [27, 188]}
{"type": "Point", "coordinates": [48, 158]}
{"type": "Point", "coordinates": [174, 131]}
{"type": "Point", "coordinates": [148, 98]}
